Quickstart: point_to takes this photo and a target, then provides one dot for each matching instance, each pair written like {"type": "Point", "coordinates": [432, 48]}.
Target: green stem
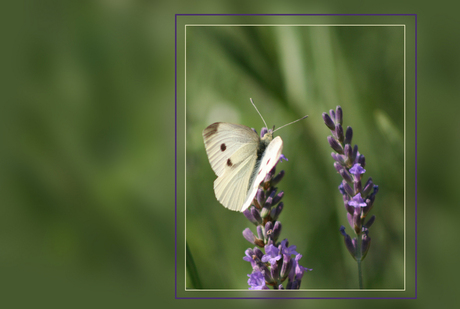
{"type": "Point", "coordinates": [360, 275]}
{"type": "Point", "coordinates": [358, 260]}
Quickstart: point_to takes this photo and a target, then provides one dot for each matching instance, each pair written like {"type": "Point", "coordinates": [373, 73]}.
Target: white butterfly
{"type": "Point", "coordinates": [241, 160]}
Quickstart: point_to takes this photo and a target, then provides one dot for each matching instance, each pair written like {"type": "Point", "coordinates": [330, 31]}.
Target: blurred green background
{"type": "Point", "coordinates": [87, 152]}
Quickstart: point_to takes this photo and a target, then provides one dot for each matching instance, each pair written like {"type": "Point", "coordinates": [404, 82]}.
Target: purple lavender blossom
{"type": "Point", "coordinates": [250, 257]}
{"type": "Point", "coordinates": [282, 157]}
{"type": "Point", "coordinates": [274, 266]}
{"type": "Point", "coordinates": [249, 235]}
{"type": "Point", "coordinates": [357, 200]}
{"type": "Point", "coordinates": [296, 273]}
{"type": "Point", "coordinates": [272, 254]}
{"type": "Point", "coordinates": [357, 169]}
{"type": "Point", "coordinates": [348, 242]}
{"type": "Point", "coordinates": [287, 250]}
{"type": "Point", "coordinates": [257, 281]}
{"type": "Point", "coordinates": [299, 270]}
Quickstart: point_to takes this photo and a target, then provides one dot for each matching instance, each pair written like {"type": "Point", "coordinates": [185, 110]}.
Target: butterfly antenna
{"type": "Point", "coordinates": [259, 113]}
{"type": "Point", "coordinates": [291, 123]}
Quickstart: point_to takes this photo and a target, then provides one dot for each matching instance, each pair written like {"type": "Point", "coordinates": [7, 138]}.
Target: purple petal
{"type": "Point", "coordinates": [357, 169]}
{"type": "Point", "coordinates": [282, 157]}
{"type": "Point", "coordinates": [271, 254]}
{"type": "Point", "coordinates": [357, 201]}
{"type": "Point", "coordinates": [257, 281]}
{"type": "Point", "coordinates": [247, 233]}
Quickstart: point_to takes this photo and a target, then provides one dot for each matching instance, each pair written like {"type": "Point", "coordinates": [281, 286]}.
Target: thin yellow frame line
{"type": "Point", "coordinates": [185, 156]}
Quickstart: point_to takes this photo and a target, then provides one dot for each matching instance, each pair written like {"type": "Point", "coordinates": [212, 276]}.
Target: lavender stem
{"type": "Point", "coordinates": [358, 260]}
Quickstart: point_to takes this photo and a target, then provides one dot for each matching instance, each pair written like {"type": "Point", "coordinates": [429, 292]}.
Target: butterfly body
{"type": "Point", "coordinates": [241, 160]}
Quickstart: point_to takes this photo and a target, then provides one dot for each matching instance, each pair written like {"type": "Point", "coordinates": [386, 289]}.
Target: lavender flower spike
{"type": "Point", "coordinates": [358, 201]}
{"type": "Point", "coordinates": [272, 268]}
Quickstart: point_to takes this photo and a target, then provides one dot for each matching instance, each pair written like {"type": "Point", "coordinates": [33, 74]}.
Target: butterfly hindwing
{"type": "Point", "coordinates": [268, 160]}
{"type": "Point", "coordinates": [231, 187]}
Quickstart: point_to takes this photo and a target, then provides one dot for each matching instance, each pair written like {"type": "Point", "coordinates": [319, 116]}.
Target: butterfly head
{"type": "Point", "coordinates": [267, 136]}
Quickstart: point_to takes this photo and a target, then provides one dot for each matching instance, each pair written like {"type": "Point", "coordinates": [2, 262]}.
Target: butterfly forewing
{"type": "Point", "coordinates": [222, 139]}
{"type": "Point", "coordinates": [232, 153]}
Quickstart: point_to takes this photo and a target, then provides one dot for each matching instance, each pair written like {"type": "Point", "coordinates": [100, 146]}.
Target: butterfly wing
{"type": "Point", "coordinates": [232, 153]}
{"type": "Point", "coordinates": [223, 139]}
{"type": "Point", "coordinates": [231, 188]}
{"type": "Point", "coordinates": [268, 160]}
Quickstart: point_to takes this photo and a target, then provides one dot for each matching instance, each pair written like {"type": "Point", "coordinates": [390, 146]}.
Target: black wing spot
{"type": "Point", "coordinates": [223, 147]}
{"type": "Point", "coordinates": [229, 162]}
